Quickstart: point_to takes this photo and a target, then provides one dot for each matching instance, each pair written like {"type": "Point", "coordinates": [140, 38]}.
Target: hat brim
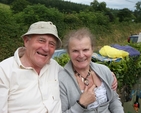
{"type": "Point", "coordinates": [44, 32]}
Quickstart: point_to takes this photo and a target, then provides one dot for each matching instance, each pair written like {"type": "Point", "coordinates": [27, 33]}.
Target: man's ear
{"type": "Point", "coordinates": [26, 39]}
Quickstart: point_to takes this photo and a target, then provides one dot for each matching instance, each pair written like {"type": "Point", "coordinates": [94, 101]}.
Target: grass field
{"type": "Point", "coordinates": [4, 6]}
{"type": "Point", "coordinates": [118, 34]}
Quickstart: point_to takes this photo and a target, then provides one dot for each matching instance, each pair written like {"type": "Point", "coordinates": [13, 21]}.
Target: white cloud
{"type": "Point", "coordinates": [115, 4]}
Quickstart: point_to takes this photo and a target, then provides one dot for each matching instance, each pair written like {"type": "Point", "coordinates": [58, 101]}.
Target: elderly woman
{"type": "Point", "coordinates": [85, 86]}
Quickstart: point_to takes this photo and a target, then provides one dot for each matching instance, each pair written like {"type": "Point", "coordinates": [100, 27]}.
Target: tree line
{"type": "Point", "coordinates": [19, 14]}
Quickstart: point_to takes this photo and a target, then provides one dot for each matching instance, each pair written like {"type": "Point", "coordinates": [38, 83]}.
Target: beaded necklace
{"type": "Point", "coordinates": [84, 79]}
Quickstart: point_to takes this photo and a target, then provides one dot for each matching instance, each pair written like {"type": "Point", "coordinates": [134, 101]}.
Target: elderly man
{"type": "Point", "coordinates": [29, 79]}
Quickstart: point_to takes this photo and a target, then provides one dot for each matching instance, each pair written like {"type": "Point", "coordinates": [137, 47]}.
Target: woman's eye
{"type": "Point", "coordinates": [75, 51]}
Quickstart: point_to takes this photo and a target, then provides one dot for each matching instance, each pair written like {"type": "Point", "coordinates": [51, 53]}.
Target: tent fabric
{"type": "Point", "coordinates": [127, 48]}
{"type": "Point", "coordinates": [112, 52]}
{"type": "Point", "coordinates": [105, 59]}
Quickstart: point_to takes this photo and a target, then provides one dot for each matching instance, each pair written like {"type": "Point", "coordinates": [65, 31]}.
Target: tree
{"type": "Point", "coordinates": [61, 5]}
{"type": "Point", "coordinates": [39, 12]}
{"type": "Point", "coordinates": [94, 5]}
{"type": "Point", "coordinates": [137, 12]}
{"type": "Point", "coordinates": [9, 34]}
{"type": "Point", "coordinates": [98, 6]}
{"type": "Point", "coordinates": [110, 15]}
{"type": "Point", "coordinates": [102, 6]}
{"type": "Point", "coordinates": [125, 15]}
{"type": "Point", "coordinates": [19, 5]}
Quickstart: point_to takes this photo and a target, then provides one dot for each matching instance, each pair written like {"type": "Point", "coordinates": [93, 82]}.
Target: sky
{"type": "Point", "coordinates": [114, 4]}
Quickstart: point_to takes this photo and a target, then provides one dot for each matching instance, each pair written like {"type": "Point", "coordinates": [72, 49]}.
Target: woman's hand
{"type": "Point", "coordinates": [115, 83]}
{"type": "Point", "coordinates": [88, 96]}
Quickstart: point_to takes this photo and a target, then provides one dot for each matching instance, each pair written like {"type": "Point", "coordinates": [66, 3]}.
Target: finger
{"type": "Point", "coordinates": [92, 87]}
{"type": "Point", "coordinates": [114, 87]}
{"type": "Point", "coordinates": [86, 88]}
{"type": "Point", "coordinates": [113, 74]}
{"type": "Point", "coordinates": [114, 84]}
{"type": "Point", "coordinates": [115, 79]}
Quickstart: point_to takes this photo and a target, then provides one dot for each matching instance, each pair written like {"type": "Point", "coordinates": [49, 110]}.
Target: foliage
{"type": "Point", "coordinates": [62, 60]}
{"type": "Point", "coordinates": [33, 13]}
{"type": "Point", "coordinates": [8, 25]}
{"type": "Point", "coordinates": [125, 15]}
{"type": "Point", "coordinates": [19, 5]}
{"type": "Point", "coordinates": [87, 17]}
{"type": "Point", "coordinates": [6, 1]}
{"type": "Point", "coordinates": [61, 5]}
{"type": "Point", "coordinates": [98, 6]}
{"type": "Point", "coordinates": [8, 34]}
{"type": "Point", "coordinates": [72, 20]}
{"type": "Point", "coordinates": [8, 46]}
{"type": "Point", "coordinates": [39, 12]}
{"type": "Point", "coordinates": [110, 16]}
{"type": "Point", "coordinates": [68, 7]}
{"type": "Point", "coordinates": [137, 12]}
{"type": "Point", "coordinates": [4, 6]}
{"type": "Point", "coordinates": [127, 71]}
{"type": "Point", "coordinates": [13, 25]}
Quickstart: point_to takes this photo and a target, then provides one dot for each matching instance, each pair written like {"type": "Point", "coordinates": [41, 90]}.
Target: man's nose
{"type": "Point", "coordinates": [46, 47]}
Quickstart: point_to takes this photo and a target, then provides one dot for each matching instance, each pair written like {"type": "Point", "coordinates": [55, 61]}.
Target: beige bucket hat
{"type": "Point", "coordinates": [43, 27]}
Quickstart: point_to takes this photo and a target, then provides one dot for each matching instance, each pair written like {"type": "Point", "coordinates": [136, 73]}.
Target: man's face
{"type": "Point", "coordinates": [39, 49]}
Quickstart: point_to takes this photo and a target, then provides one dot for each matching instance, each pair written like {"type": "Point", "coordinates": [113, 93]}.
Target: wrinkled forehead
{"type": "Point", "coordinates": [79, 38]}
{"type": "Point", "coordinates": [43, 36]}
{"type": "Point", "coordinates": [85, 41]}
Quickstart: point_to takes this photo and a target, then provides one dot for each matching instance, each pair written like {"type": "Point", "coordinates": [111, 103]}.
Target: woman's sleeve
{"type": "Point", "coordinates": [66, 108]}
{"type": "Point", "coordinates": [115, 105]}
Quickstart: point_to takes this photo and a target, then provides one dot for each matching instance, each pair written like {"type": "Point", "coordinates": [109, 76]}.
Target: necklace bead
{"type": "Point", "coordinates": [84, 79]}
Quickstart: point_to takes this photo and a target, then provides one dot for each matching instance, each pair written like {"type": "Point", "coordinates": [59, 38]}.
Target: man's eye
{"type": "Point", "coordinates": [41, 40]}
{"type": "Point", "coordinates": [53, 44]}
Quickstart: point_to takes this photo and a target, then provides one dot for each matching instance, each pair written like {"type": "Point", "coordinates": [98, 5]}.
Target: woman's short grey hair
{"type": "Point", "coordinates": [79, 34]}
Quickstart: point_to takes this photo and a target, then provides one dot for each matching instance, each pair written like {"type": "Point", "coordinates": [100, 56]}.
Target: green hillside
{"type": "Point", "coordinates": [4, 6]}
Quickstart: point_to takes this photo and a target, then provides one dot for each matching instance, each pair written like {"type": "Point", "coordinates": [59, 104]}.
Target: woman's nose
{"type": "Point", "coordinates": [81, 54]}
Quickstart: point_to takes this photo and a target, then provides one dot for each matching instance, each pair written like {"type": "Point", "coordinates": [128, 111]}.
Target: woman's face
{"type": "Point", "coordinates": [80, 52]}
